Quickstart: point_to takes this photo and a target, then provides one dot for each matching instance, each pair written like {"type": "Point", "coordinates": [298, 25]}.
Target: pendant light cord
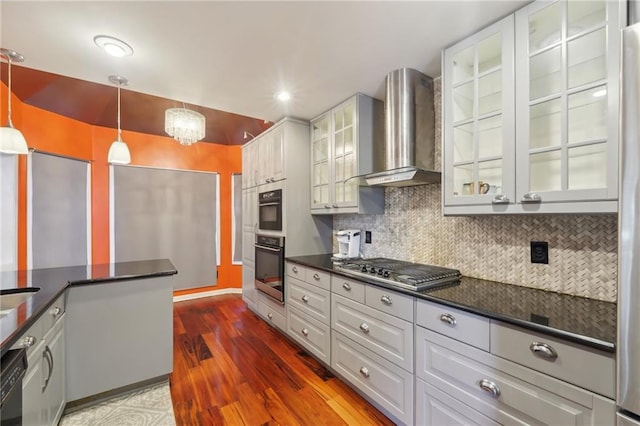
{"type": "Point", "coordinates": [119, 131]}
{"type": "Point", "coordinates": [9, 92]}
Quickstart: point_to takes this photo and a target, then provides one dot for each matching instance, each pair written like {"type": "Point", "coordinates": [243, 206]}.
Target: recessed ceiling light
{"type": "Point", "coordinates": [599, 93]}
{"type": "Point", "coordinates": [283, 96]}
{"type": "Point", "coordinates": [113, 46]}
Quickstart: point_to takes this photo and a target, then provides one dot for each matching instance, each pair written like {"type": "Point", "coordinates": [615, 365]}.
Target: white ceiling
{"type": "Point", "coordinates": [234, 55]}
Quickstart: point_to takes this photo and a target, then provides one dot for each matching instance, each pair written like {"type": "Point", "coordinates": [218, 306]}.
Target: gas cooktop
{"type": "Point", "coordinates": [414, 276]}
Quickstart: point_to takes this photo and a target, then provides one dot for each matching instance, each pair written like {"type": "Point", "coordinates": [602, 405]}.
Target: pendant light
{"type": "Point", "coordinates": [11, 139]}
{"type": "Point", "coordinates": [119, 151]}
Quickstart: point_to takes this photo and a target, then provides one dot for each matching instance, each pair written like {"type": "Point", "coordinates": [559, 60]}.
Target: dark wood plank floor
{"type": "Point", "coordinates": [232, 368]}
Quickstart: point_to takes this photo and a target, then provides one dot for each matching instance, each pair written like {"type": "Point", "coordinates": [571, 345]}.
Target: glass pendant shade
{"type": "Point", "coordinates": [119, 153]}
{"type": "Point", "coordinates": [184, 125]}
{"type": "Point", "coordinates": [12, 140]}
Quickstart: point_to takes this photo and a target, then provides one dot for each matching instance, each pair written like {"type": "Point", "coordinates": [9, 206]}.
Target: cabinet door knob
{"type": "Point", "coordinates": [489, 387]}
{"type": "Point", "coordinates": [449, 319]}
{"type": "Point", "coordinates": [56, 311]}
{"type": "Point", "coordinates": [364, 327]}
{"type": "Point", "coordinates": [28, 341]}
{"type": "Point", "coordinates": [316, 276]}
{"type": "Point", "coordinates": [295, 270]}
{"type": "Point", "coordinates": [542, 350]}
{"type": "Point", "coordinates": [304, 331]}
{"type": "Point", "coordinates": [531, 197]}
{"type": "Point", "coordinates": [386, 300]}
{"type": "Point", "coordinates": [364, 371]}
{"type": "Point", "coordinates": [346, 286]}
{"type": "Point", "coordinates": [305, 299]}
{"type": "Point", "coordinates": [269, 315]}
{"type": "Point", "coordinates": [500, 199]}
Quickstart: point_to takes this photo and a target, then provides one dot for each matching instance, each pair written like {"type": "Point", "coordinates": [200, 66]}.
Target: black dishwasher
{"type": "Point", "coordinates": [12, 368]}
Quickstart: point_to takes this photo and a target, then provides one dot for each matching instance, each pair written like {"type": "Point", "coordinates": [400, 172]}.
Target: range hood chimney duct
{"type": "Point", "coordinates": [409, 131]}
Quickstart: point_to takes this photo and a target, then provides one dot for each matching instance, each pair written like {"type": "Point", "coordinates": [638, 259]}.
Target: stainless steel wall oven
{"type": "Point", "coordinates": [269, 267]}
{"type": "Point", "coordinates": [270, 210]}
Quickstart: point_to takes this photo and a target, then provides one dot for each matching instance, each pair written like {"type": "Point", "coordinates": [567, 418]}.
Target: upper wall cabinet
{"type": "Point", "coordinates": [565, 152]}
{"type": "Point", "coordinates": [342, 147]}
{"type": "Point", "coordinates": [263, 158]}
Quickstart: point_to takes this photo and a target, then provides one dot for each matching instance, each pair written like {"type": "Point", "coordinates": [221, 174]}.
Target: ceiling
{"type": "Point", "coordinates": [230, 56]}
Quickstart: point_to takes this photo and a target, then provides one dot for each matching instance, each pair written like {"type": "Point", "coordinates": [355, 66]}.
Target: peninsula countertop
{"type": "Point", "coordinates": [586, 321]}
{"type": "Point", "coordinates": [52, 282]}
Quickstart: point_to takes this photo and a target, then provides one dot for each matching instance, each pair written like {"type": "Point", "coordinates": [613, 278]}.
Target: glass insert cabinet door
{"type": "Point", "coordinates": [478, 101]}
{"type": "Point", "coordinates": [344, 155]}
{"type": "Point", "coordinates": [567, 100]}
{"type": "Point", "coordinates": [320, 156]}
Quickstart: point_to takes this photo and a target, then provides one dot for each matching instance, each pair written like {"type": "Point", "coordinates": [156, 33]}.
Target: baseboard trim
{"type": "Point", "coordinates": [199, 295]}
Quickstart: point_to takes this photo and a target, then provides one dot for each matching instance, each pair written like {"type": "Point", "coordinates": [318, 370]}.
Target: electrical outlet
{"type": "Point", "coordinates": [367, 237]}
{"type": "Point", "coordinates": [539, 252]}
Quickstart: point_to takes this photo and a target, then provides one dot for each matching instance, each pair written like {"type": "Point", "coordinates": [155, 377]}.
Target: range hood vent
{"type": "Point", "coordinates": [409, 145]}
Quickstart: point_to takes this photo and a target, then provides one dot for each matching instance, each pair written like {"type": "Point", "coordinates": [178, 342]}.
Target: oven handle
{"type": "Point", "coordinates": [268, 248]}
{"type": "Point", "coordinates": [268, 204]}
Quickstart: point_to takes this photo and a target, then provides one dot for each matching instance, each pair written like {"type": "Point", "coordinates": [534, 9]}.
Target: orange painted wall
{"type": "Point", "coordinates": [57, 134]}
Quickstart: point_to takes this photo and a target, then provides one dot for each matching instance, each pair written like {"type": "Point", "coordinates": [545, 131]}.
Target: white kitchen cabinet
{"type": "Point", "coordinates": [32, 388]}
{"type": "Point", "coordinates": [249, 228]}
{"type": "Point", "coordinates": [479, 121]}
{"type": "Point", "coordinates": [344, 141]}
{"type": "Point", "coordinates": [249, 170]}
{"type": "Point", "coordinates": [270, 161]}
{"type": "Point", "coordinates": [271, 311]}
{"type": "Point", "coordinates": [559, 152]}
{"type": "Point", "coordinates": [54, 392]}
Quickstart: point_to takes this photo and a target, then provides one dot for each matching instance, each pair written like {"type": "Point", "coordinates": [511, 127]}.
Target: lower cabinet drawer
{"type": "Point", "coordinates": [310, 299]}
{"type": "Point", "coordinates": [391, 302]}
{"type": "Point", "coordinates": [310, 334]}
{"type": "Point", "coordinates": [271, 314]}
{"type": "Point", "coordinates": [587, 368]}
{"type": "Point", "coordinates": [434, 407]}
{"type": "Point", "coordinates": [384, 334]}
{"type": "Point", "coordinates": [503, 391]}
{"type": "Point", "coordinates": [384, 382]}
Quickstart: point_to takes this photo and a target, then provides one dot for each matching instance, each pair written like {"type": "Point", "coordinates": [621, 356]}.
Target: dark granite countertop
{"type": "Point", "coordinates": [586, 321]}
{"type": "Point", "coordinates": [52, 282]}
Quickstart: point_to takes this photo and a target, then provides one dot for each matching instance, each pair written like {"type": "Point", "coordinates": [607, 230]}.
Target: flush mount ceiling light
{"type": "Point", "coordinates": [283, 96]}
{"type": "Point", "coordinates": [184, 125]}
{"type": "Point", "coordinates": [113, 46]}
{"type": "Point", "coordinates": [119, 151]}
{"type": "Point", "coordinates": [11, 139]}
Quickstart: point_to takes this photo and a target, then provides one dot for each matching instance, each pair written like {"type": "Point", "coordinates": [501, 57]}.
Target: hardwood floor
{"type": "Point", "coordinates": [230, 367]}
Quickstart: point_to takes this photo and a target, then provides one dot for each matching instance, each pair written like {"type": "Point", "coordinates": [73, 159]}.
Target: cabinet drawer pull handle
{"type": "Point", "coordinates": [56, 311]}
{"type": "Point", "coordinates": [28, 341]}
{"type": "Point", "coordinates": [334, 205]}
{"type": "Point", "coordinates": [346, 286]}
{"type": "Point", "coordinates": [295, 270]}
{"type": "Point", "coordinates": [327, 206]}
{"type": "Point", "coordinates": [386, 300]}
{"type": "Point", "coordinates": [500, 199]}
{"type": "Point", "coordinates": [449, 319]}
{"type": "Point", "coordinates": [305, 299]}
{"type": "Point", "coordinates": [316, 277]}
{"type": "Point", "coordinates": [270, 315]}
{"type": "Point", "coordinates": [542, 350]}
{"type": "Point", "coordinates": [531, 197]}
{"type": "Point", "coordinates": [305, 331]}
{"type": "Point", "coordinates": [364, 327]}
{"type": "Point", "coordinates": [364, 371]}
{"type": "Point", "coordinates": [489, 387]}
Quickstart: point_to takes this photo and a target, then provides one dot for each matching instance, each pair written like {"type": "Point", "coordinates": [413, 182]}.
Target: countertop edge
{"type": "Point", "coordinates": [591, 342]}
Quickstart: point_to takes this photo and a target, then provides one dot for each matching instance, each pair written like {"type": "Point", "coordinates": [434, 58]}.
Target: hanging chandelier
{"type": "Point", "coordinates": [184, 125]}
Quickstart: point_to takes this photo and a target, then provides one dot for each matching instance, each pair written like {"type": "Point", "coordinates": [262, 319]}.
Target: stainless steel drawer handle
{"type": "Point", "coordinates": [305, 331]}
{"type": "Point", "coordinates": [334, 205]}
{"type": "Point", "coordinates": [386, 300]}
{"type": "Point", "coordinates": [28, 341]}
{"type": "Point", "coordinates": [364, 371]}
{"type": "Point", "coordinates": [316, 277]}
{"type": "Point", "coordinates": [56, 311]}
{"type": "Point", "coordinates": [269, 315]}
{"type": "Point", "coordinates": [346, 286]}
{"type": "Point", "coordinates": [489, 387]}
{"type": "Point", "coordinates": [449, 319]}
{"type": "Point", "coordinates": [542, 350]}
{"type": "Point", "coordinates": [327, 206]}
{"type": "Point", "coordinates": [364, 327]}
{"type": "Point", "coordinates": [500, 199]}
{"type": "Point", "coordinates": [305, 299]}
{"type": "Point", "coordinates": [295, 270]}
{"type": "Point", "coordinates": [531, 197]}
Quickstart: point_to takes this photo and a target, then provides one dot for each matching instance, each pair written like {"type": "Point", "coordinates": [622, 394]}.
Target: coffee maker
{"type": "Point", "coordinates": [348, 244]}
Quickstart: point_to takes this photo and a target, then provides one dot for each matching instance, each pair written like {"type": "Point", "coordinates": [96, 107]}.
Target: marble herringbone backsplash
{"type": "Point", "coordinates": [582, 248]}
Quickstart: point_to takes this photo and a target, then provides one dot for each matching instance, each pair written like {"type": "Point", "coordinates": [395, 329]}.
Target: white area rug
{"type": "Point", "coordinates": [150, 406]}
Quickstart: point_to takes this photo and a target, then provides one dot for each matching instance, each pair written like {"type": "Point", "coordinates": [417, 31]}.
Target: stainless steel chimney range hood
{"type": "Point", "coordinates": [409, 149]}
